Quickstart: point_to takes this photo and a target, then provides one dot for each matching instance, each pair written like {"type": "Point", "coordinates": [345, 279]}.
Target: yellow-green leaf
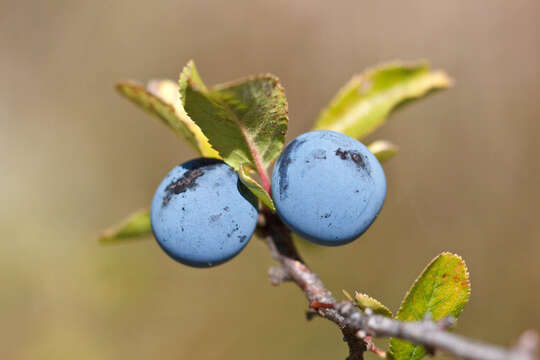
{"type": "Point", "coordinates": [367, 99]}
{"type": "Point", "coordinates": [364, 301]}
{"type": "Point", "coordinates": [442, 290]}
{"type": "Point", "coordinates": [245, 120]}
{"type": "Point", "coordinates": [168, 91]}
{"type": "Point", "coordinates": [383, 150]}
{"type": "Point", "coordinates": [161, 99]}
{"type": "Point", "coordinates": [137, 225]}
{"type": "Point", "coordinates": [255, 188]}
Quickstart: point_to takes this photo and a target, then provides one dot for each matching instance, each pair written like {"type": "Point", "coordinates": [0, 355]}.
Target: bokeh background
{"type": "Point", "coordinates": [75, 157]}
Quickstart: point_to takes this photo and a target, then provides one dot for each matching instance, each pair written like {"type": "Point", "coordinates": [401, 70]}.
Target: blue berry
{"type": "Point", "coordinates": [202, 215]}
{"type": "Point", "coordinates": [328, 187]}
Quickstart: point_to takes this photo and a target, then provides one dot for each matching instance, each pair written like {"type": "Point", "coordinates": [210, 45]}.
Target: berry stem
{"type": "Point", "coordinates": [264, 178]}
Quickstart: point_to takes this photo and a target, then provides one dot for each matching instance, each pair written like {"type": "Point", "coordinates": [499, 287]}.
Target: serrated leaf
{"type": "Point", "coordinates": [136, 225]}
{"type": "Point", "coordinates": [245, 121]}
{"type": "Point", "coordinates": [255, 188]}
{"type": "Point", "coordinates": [442, 290]}
{"type": "Point", "coordinates": [364, 301]}
{"type": "Point", "coordinates": [162, 100]}
{"type": "Point", "coordinates": [383, 150]}
{"type": "Point", "coordinates": [367, 99]}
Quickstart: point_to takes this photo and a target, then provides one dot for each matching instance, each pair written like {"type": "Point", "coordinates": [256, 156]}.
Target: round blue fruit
{"type": "Point", "coordinates": [202, 215]}
{"type": "Point", "coordinates": [328, 187]}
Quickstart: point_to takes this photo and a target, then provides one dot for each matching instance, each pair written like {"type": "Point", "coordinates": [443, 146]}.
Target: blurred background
{"type": "Point", "coordinates": [76, 157]}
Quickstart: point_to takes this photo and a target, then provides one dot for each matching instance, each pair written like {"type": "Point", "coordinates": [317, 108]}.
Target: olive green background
{"type": "Point", "coordinates": [75, 157]}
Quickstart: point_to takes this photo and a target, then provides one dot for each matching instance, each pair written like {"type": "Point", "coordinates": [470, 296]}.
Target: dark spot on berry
{"type": "Point", "coordinates": [226, 208]}
{"type": "Point", "coordinates": [242, 238]}
{"type": "Point", "coordinates": [215, 218]}
{"type": "Point", "coordinates": [341, 154]}
{"type": "Point", "coordinates": [326, 216]}
{"type": "Point", "coordinates": [357, 158]}
{"type": "Point", "coordinates": [235, 229]}
{"type": "Point", "coordinates": [354, 156]}
{"type": "Point", "coordinates": [187, 181]}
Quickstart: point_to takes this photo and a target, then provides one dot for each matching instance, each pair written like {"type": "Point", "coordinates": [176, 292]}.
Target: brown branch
{"type": "Point", "coordinates": [358, 327]}
{"type": "Point", "coordinates": [294, 269]}
{"type": "Point", "coordinates": [434, 335]}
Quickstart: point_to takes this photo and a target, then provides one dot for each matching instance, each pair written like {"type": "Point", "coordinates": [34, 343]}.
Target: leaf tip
{"type": "Point", "coordinates": [105, 236]}
{"type": "Point", "coordinates": [347, 295]}
{"type": "Point", "coordinates": [120, 86]}
{"type": "Point", "coordinates": [383, 149]}
{"type": "Point", "coordinates": [136, 225]}
{"type": "Point", "coordinates": [442, 80]}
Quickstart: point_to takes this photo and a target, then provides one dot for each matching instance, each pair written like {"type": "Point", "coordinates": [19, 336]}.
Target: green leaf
{"type": "Point", "coordinates": [245, 121]}
{"type": "Point", "coordinates": [161, 99]}
{"type": "Point", "coordinates": [255, 188]}
{"type": "Point", "coordinates": [364, 301]}
{"type": "Point", "coordinates": [367, 99]}
{"type": "Point", "coordinates": [135, 226]}
{"type": "Point", "coordinates": [383, 150]}
{"type": "Point", "coordinates": [442, 290]}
